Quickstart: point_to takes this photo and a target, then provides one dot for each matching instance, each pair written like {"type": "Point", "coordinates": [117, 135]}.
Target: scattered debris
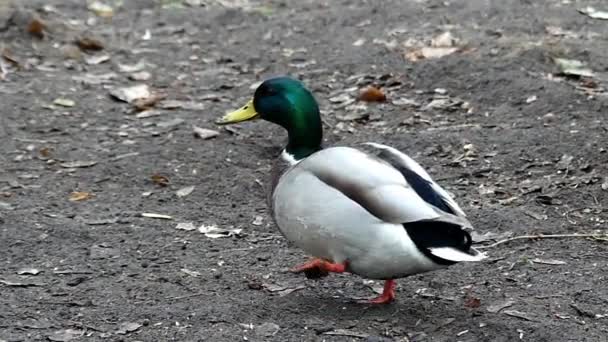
{"type": "Point", "coordinates": [190, 272]}
{"type": "Point", "coordinates": [281, 290]}
{"type": "Point", "coordinates": [146, 103]}
{"type": "Point", "coordinates": [160, 180]}
{"type": "Point", "coordinates": [101, 9]}
{"type": "Point", "coordinates": [593, 13]}
{"type": "Point", "coordinates": [583, 311]}
{"type": "Point", "coordinates": [185, 191]}
{"type": "Point", "coordinates": [441, 46]}
{"type": "Point", "coordinates": [157, 216]}
{"type": "Point", "coordinates": [89, 44]}
{"type": "Point", "coordinates": [214, 232]}
{"type": "Point", "coordinates": [64, 102]}
{"type": "Point", "coordinates": [519, 314]}
{"type": "Point", "coordinates": [96, 59]}
{"type": "Point", "coordinates": [258, 220]}
{"type": "Point", "coordinates": [36, 28]}
{"type": "Point", "coordinates": [345, 332]}
{"type": "Point", "coordinates": [28, 271]}
{"type": "Point", "coordinates": [130, 68]}
{"type": "Point", "coordinates": [170, 123]}
{"type": "Point", "coordinates": [497, 307]}
{"type": "Point", "coordinates": [78, 164]}
{"type": "Point", "coordinates": [372, 94]}
{"type": "Point", "coordinates": [24, 282]}
{"type": "Point", "coordinates": [185, 226]}
{"type": "Point", "coordinates": [130, 94]}
{"type": "Point", "coordinates": [472, 302]}
{"type": "Point", "coordinates": [78, 196]}
{"type": "Point", "coordinates": [548, 261]}
{"type": "Point", "coordinates": [127, 327]}
{"type": "Point", "coordinates": [573, 67]}
{"type": "Point", "coordinates": [267, 329]}
{"type": "Point", "coordinates": [204, 133]}
{"type": "Point", "coordinates": [65, 335]}
{"type": "Point", "coordinates": [103, 251]}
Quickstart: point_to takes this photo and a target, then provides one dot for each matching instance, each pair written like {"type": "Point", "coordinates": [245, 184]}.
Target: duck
{"type": "Point", "coordinates": [368, 209]}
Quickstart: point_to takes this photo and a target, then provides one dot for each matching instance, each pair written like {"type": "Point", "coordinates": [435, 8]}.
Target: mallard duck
{"type": "Point", "coordinates": [369, 210]}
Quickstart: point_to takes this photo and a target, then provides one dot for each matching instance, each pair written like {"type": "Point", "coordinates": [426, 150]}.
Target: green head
{"type": "Point", "coordinates": [287, 103]}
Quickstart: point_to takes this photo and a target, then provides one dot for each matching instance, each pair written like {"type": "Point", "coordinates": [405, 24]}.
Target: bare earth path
{"type": "Point", "coordinates": [522, 146]}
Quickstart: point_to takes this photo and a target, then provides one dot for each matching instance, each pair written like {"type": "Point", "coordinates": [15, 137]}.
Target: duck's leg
{"type": "Point", "coordinates": [317, 268]}
{"type": "Point", "coordinates": [388, 293]}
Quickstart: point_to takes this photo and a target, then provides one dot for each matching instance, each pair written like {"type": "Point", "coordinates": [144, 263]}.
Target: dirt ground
{"type": "Point", "coordinates": [521, 145]}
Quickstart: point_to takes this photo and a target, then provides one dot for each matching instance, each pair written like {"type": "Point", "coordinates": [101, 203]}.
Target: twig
{"type": "Point", "coordinates": [546, 236]}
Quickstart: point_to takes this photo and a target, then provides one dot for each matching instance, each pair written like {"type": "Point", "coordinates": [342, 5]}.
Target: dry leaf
{"type": "Point", "coordinates": [89, 44]}
{"type": "Point", "coordinates": [372, 94]}
{"type": "Point", "coordinates": [140, 76]}
{"type": "Point", "coordinates": [472, 302]}
{"type": "Point", "coordinates": [204, 133]}
{"type": "Point", "coordinates": [77, 196]}
{"type": "Point", "coordinates": [127, 68]}
{"type": "Point", "coordinates": [36, 28]}
{"type": "Point", "coordinates": [183, 192]}
{"type": "Point", "coordinates": [159, 179]}
{"type": "Point", "coordinates": [130, 94]}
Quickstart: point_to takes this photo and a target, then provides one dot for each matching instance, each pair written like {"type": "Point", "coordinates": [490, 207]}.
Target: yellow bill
{"type": "Point", "coordinates": [247, 112]}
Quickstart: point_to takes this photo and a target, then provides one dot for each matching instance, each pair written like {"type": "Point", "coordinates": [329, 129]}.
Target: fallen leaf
{"type": "Point", "coordinates": [497, 307]}
{"type": "Point", "coordinates": [281, 290]}
{"type": "Point", "coordinates": [372, 94]}
{"type": "Point", "coordinates": [78, 164]}
{"type": "Point", "coordinates": [593, 13]}
{"type": "Point", "coordinates": [204, 133]}
{"type": "Point", "coordinates": [127, 327]}
{"type": "Point", "coordinates": [548, 261]}
{"type": "Point", "coordinates": [157, 216]}
{"type": "Point", "coordinates": [185, 226]}
{"type": "Point", "coordinates": [64, 102]}
{"type": "Point", "coordinates": [101, 9]}
{"type": "Point", "coordinates": [36, 28]}
{"type": "Point", "coordinates": [28, 271]}
{"type": "Point", "coordinates": [170, 123]}
{"type": "Point", "coordinates": [573, 67]}
{"type": "Point", "coordinates": [472, 302]}
{"type": "Point", "coordinates": [95, 78]}
{"type": "Point", "coordinates": [65, 335]}
{"type": "Point", "coordinates": [214, 232]}
{"type": "Point", "coordinates": [130, 94]}
{"type": "Point", "coordinates": [159, 179]}
{"type": "Point", "coordinates": [77, 196]}
{"type": "Point", "coordinates": [185, 191]}
{"type": "Point", "coordinates": [89, 44]}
